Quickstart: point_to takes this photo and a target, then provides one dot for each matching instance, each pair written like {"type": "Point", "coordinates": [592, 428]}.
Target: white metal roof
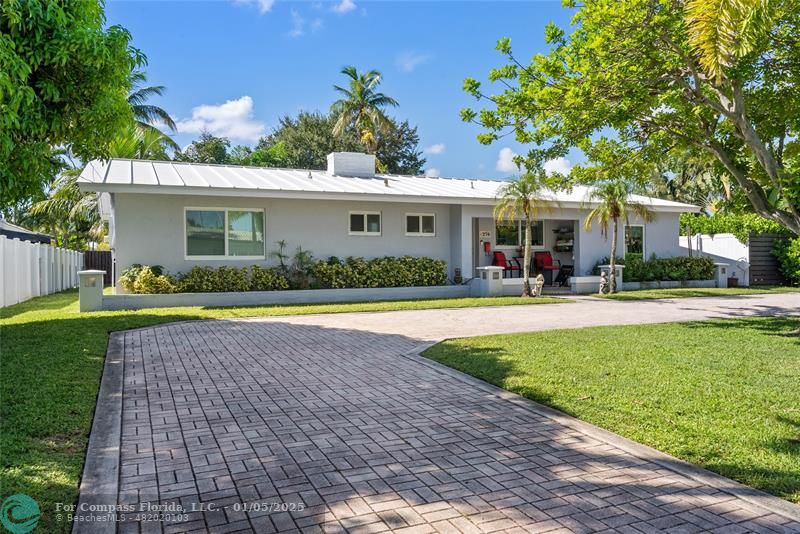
{"type": "Point", "coordinates": [170, 177]}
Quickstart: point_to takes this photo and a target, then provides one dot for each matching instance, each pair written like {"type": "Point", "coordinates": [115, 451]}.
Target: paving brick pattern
{"type": "Point", "coordinates": [347, 434]}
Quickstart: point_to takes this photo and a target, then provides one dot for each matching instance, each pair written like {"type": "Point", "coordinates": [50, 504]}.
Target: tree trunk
{"type": "Point", "coordinates": [612, 276]}
{"type": "Point", "coordinates": [526, 261]}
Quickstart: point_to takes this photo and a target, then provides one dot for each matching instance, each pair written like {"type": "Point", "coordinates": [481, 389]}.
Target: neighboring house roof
{"type": "Point", "coordinates": [12, 231]}
{"type": "Point", "coordinates": [169, 177]}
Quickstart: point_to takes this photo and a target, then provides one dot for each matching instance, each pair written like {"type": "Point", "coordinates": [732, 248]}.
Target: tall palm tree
{"type": "Point", "coordinates": [362, 107]}
{"type": "Point", "coordinates": [146, 114]}
{"type": "Point", "coordinates": [522, 196]}
{"type": "Point", "coordinates": [69, 213]}
{"type": "Point", "coordinates": [613, 198]}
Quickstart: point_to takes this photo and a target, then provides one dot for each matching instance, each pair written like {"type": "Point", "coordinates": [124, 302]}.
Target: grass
{"type": "Point", "coordinates": [52, 360]}
{"type": "Point", "coordinates": [682, 292]}
{"type": "Point", "coordinates": [722, 394]}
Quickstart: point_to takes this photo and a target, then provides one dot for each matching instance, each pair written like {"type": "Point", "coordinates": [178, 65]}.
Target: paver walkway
{"type": "Point", "coordinates": [334, 421]}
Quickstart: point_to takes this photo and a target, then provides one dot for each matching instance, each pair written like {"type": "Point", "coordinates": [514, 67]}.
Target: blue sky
{"type": "Point", "coordinates": [234, 67]}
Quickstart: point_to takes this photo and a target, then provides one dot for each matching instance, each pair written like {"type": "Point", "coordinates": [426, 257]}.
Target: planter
{"type": "Point", "coordinates": [667, 284]}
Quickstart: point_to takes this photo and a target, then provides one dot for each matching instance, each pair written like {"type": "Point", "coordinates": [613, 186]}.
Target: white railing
{"type": "Point", "coordinates": [30, 270]}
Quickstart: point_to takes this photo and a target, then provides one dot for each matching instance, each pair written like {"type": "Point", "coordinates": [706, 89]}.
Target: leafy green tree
{"type": "Point", "coordinates": [63, 82]}
{"type": "Point", "coordinates": [523, 197]}
{"type": "Point", "coordinates": [146, 115]}
{"type": "Point", "coordinates": [206, 149]}
{"type": "Point", "coordinates": [263, 156]}
{"type": "Point", "coordinates": [662, 76]}
{"type": "Point", "coordinates": [308, 139]}
{"type": "Point", "coordinates": [362, 107]}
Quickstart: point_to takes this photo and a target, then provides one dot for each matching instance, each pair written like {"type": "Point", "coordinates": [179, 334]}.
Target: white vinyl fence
{"type": "Point", "coordinates": [724, 248]}
{"type": "Point", "coordinates": [30, 270]}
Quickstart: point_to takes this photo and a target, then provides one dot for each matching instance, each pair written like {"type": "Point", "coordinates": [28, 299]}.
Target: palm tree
{"type": "Point", "coordinates": [143, 113]}
{"type": "Point", "coordinates": [361, 106]}
{"type": "Point", "coordinates": [522, 197]}
{"type": "Point", "coordinates": [722, 31]}
{"type": "Point", "coordinates": [613, 199]}
{"type": "Point", "coordinates": [68, 212]}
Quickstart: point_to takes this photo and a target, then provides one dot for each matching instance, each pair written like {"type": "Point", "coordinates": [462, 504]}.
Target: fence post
{"type": "Point", "coordinates": [15, 275]}
{"type": "Point", "coordinates": [3, 273]}
{"type": "Point", "coordinates": [35, 274]}
{"type": "Point", "coordinates": [46, 269]}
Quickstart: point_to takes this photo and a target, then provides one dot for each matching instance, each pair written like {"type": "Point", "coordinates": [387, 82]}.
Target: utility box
{"type": "Point", "coordinates": [90, 290]}
{"type": "Point", "coordinates": [488, 281]}
{"type": "Point", "coordinates": [721, 273]}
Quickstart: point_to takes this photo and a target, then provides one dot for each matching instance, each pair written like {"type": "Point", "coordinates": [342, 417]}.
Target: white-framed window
{"type": "Point", "coordinates": [364, 223]}
{"type": "Point", "coordinates": [512, 234]}
{"type": "Point", "coordinates": [223, 233]}
{"type": "Point", "coordinates": [634, 239]}
{"type": "Point", "coordinates": [420, 224]}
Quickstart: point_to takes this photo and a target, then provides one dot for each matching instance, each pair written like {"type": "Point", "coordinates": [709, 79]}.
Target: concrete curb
{"type": "Point", "coordinates": [768, 503]}
{"type": "Point", "coordinates": [100, 478]}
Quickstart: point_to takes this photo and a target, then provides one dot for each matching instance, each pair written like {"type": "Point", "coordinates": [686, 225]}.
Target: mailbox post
{"type": "Point", "coordinates": [90, 290]}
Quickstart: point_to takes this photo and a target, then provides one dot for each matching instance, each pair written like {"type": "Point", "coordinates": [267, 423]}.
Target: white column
{"type": "Point", "coordinates": [59, 270]}
{"type": "Point", "coordinates": [47, 262]}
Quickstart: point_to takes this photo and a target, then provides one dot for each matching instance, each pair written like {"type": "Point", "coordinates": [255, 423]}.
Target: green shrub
{"type": "Point", "coordinates": [678, 268]}
{"type": "Point", "coordinates": [406, 271]}
{"type": "Point", "coordinates": [146, 279]}
{"type": "Point", "coordinates": [787, 251]}
{"type": "Point", "coordinates": [214, 280]}
{"type": "Point", "coordinates": [262, 279]}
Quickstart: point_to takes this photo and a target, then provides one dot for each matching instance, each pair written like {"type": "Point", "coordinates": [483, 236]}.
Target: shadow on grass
{"type": "Point", "coordinates": [778, 324]}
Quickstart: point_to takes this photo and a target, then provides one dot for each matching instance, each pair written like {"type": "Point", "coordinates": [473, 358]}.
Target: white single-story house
{"type": "Point", "coordinates": [180, 215]}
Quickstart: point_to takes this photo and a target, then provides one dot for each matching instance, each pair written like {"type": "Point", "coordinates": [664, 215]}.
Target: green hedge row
{"type": "Point", "coordinates": [678, 268]}
{"type": "Point", "coordinates": [739, 224]}
{"type": "Point", "coordinates": [332, 273]}
{"type": "Point", "coordinates": [406, 271]}
{"type": "Point", "coordinates": [153, 279]}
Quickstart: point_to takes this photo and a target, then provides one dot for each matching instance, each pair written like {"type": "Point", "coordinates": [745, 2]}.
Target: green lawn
{"type": "Point", "coordinates": [52, 358]}
{"type": "Point", "coordinates": [681, 292]}
{"type": "Point", "coordinates": [722, 394]}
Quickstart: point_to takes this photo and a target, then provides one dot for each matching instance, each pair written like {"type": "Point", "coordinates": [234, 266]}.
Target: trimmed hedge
{"type": "Point", "coordinates": [332, 273]}
{"type": "Point", "coordinates": [739, 224]}
{"type": "Point", "coordinates": [153, 279]}
{"type": "Point", "coordinates": [677, 269]}
{"type": "Point", "coordinates": [406, 271]}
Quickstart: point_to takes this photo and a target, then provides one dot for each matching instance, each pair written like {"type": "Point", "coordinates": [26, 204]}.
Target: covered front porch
{"type": "Point", "coordinates": [554, 246]}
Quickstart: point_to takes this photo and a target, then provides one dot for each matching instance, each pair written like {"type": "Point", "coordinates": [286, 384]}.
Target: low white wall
{"type": "Point", "coordinates": [722, 248]}
{"type": "Point", "coordinates": [667, 284]}
{"type": "Point", "coordinates": [30, 270]}
{"type": "Point", "coordinates": [301, 296]}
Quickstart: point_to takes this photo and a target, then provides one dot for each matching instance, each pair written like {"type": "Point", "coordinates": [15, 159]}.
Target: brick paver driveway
{"type": "Point", "coordinates": [345, 429]}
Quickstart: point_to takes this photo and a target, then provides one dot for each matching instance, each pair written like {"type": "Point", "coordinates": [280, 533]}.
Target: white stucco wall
{"type": "Point", "coordinates": [149, 229]}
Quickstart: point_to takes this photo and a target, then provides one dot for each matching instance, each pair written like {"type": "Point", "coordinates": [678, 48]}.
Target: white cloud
{"type": "Point", "coordinates": [298, 25]}
{"type": "Point", "coordinates": [316, 24]}
{"type": "Point", "coordinates": [408, 61]}
{"type": "Point", "coordinates": [436, 148]}
{"type": "Point", "coordinates": [264, 6]}
{"type": "Point", "coordinates": [232, 119]}
{"type": "Point", "coordinates": [505, 161]}
{"type": "Point", "coordinates": [557, 165]}
{"type": "Point", "coordinates": [433, 172]}
{"type": "Point", "coordinates": [344, 6]}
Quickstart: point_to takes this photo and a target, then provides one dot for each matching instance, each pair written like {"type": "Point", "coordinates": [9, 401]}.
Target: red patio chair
{"type": "Point", "coordinates": [509, 266]}
{"type": "Point", "coordinates": [545, 264]}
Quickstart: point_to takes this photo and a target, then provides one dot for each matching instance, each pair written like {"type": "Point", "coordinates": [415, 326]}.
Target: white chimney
{"type": "Point", "coordinates": [351, 164]}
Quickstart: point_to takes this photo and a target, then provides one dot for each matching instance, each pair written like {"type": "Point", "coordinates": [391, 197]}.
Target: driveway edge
{"type": "Point", "coordinates": [765, 501]}
{"type": "Point", "coordinates": [100, 479]}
